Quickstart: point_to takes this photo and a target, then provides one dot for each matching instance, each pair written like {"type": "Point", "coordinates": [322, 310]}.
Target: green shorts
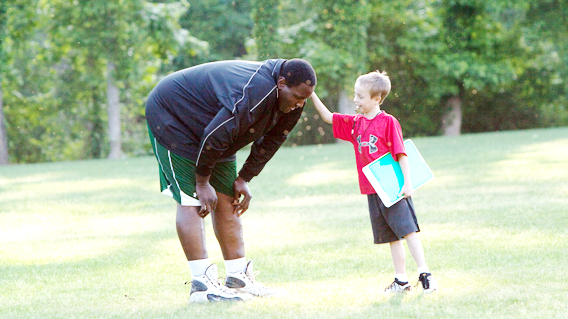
{"type": "Point", "coordinates": [177, 175]}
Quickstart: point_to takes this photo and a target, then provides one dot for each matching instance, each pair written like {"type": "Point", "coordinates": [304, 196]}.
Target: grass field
{"type": "Point", "coordinates": [95, 239]}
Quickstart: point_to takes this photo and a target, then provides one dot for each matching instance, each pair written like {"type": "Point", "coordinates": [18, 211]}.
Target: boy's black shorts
{"type": "Point", "coordinates": [392, 223]}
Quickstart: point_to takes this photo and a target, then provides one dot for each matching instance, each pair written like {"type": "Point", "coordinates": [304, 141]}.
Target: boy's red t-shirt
{"type": "Point", "coordinates": [370, 138]}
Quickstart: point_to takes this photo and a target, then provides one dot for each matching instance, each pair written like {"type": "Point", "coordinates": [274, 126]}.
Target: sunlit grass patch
{"type": "Point", "coordinates": [96, 239]}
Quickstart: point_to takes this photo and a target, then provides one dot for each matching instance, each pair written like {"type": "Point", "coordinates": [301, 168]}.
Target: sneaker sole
{"type": "Point", "coordinates": [406, 291]}
{"type": "Point", "coordinates": [204, 297]}
{"type": "Point", "coordinates": [256, 294]}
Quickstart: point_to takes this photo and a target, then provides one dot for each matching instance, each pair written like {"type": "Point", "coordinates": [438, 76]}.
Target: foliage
{"type": "Point", "coordinates": [544, 86]}
{"type": "Point", "coordinates": [508, 62]}
{"type": "Point", "coordinates": [266, 14]}
{"type": "Point", "coordinates": [334, 41]}
{"type": "Point", "coordinates": [3, 37]}
{"type": "Point", "coordinates": [223, 25]}
{"type": "Point", "coordinates": [4, 158]}
{"type": "Point", "coordinates": [26, 85]}
{"type": "Point", "coordinates": [463, 47]}
{"type": "Point", "coordinates": [410, 100]}
{"type": "Point", "coordinates": [55, 104]}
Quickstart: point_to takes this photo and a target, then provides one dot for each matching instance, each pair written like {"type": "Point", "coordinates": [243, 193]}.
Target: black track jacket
{"type": "Point", "coordinates": [208, 112]}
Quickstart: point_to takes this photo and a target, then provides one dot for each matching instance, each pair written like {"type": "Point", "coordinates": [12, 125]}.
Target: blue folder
{"type": "Point", "coordinates": [386, 177]}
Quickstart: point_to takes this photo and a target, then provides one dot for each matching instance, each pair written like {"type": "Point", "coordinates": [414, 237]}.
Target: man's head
{"type": "Point", "coordinates": [296, 83]}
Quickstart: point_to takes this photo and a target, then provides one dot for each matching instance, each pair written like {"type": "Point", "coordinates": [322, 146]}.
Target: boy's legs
{"type": "Point", "coordinates": [429, 283]}
{"type": "Point", "coordinates": [400, 283]}
{"type": "Point", "coordinates": [416, 250]}
{"type": "Point", "coordinates": [398, 257]}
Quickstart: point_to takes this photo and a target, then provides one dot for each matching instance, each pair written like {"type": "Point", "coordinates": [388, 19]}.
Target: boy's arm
{"type": "Point", "coordinates": [406, 190]}
{"type": "Point", "coordinates": [325, 114]}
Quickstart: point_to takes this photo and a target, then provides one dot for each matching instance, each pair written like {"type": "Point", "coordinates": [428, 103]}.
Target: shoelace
{"type": "Point", "coordinates": [219, 285]}
{"type": "Point", "coordinates": [223, 288]}
{"type": "Point", "coordinates": [392, 287]}
{"type": "Point", "coordinates": [252, 278]}
{"type": "Point", "coordinates": [424, 280]}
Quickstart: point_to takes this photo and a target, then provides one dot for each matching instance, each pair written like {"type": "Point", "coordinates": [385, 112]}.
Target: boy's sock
{"type": "Point", "coordinates": [422, 270]}
{"type": "Point", "coordinates": [236, 265]}
{"type": "Point", "coordinates": [199, 266]}
{"type": "Point", "coordinates": [401, 277]}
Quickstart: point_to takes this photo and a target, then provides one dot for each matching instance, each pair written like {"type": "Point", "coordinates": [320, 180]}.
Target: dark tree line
{"type": "Point", "coordinates": [74, 74]}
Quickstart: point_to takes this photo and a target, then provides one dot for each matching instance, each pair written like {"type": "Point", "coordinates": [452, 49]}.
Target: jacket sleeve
{"type": "Point", "coordinates": [217, 137]}
{"type": "Point", "coordinates": [263, 149]}
{"type": "Point", "coordinates": [238, 113]}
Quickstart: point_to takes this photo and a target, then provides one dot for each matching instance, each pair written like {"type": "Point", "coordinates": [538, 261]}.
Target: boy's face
{"type": "Point", "coordinates": [365, 103]}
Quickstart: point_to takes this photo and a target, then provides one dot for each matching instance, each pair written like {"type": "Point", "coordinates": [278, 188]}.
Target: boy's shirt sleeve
{"type": "Point", "coordinates": [395, 139]}
{"type": "Point", "coordinates": [343, 126]}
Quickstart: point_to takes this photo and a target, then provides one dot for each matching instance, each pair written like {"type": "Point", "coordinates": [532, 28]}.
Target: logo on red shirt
{"type": "Point", "coordinates": [371, 144]}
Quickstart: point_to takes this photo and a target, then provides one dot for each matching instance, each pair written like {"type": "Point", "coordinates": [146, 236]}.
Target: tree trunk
{"type": "Point", "coordinates": [452, 120]}
{"type": "Point", "coordinates": [113, 108]}
{"type": "Point", "coordinates": [3, 137]}
{"type": "Point", "coordinates": [346, 105]}
{"type": "Point", "coordinates": [96, 134]}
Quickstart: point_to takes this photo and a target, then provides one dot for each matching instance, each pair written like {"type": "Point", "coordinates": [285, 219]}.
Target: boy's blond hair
{"type": "Point", "coordinates": [378, 84]}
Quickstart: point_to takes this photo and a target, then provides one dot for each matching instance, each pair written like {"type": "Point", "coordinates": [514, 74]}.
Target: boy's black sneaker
{"type": "Point", "coordinates": [429, 283]}
{"type": "Point", "coordinates": [398, 286]}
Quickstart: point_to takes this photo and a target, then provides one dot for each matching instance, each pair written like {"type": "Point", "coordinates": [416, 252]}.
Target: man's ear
{"type": "Point", "coordinates": [281, 82]}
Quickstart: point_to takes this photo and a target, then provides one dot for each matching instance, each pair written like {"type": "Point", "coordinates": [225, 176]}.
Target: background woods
{"type": "Point", "coordinates": [74, 74]}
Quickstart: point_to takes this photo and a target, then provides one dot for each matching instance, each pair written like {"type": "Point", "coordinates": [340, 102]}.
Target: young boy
{"type": "Point", "coordinates": [374, 133]}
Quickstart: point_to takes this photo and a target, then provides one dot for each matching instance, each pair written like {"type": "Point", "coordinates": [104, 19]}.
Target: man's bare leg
{"type": "Point", "coordinates": [228, 228]}
{"type": "Point", "coordinates": [191, 232]}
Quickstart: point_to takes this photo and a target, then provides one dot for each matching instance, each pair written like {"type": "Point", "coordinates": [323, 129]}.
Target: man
{"type": "Point", "coordinates": [198, 118]}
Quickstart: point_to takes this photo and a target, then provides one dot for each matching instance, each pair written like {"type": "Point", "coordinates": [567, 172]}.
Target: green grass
{"type": "Point", "coordinates": [95, 239]}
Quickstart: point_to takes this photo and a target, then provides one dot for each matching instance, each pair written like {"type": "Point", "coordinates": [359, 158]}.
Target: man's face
{"type": "Point", "coordinates": [290, 98]}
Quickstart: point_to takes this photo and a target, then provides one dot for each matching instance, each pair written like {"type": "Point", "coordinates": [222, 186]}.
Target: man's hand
{"type": "Point", "coordinates": [240, 187]}
{"type": "Point", "coordinates": [206, 194]}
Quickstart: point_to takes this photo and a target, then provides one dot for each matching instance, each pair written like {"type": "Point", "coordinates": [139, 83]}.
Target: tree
{"type": "Point", "coordinates": [410, 100]}
{"type": "Point", "coordinates": [103, 31]}
{"type": "Point", "coordinates": [114, 36]}
{"type": "Point", "coordinates": [462, 47]}
{"type": "Point", "coordinates": [266, 17]}
{"type": "Point", "coordinates": [224, 26]}
{"type": "Point", "coordinates": [545, 85]}
{"type": "Point", "coordinates": [4, 160]}
{"type": "Point", "coordinates": [332, 35]}
{"type": "Point", "coordinates": [17, 44]}
{"type": "Point", "coordinates": [3, 61]}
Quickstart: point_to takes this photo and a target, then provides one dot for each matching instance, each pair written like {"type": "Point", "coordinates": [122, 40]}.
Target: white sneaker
{"type": "Point", "coordinates": [398, 287]}
{"type": "Point", "coordinates": [429, 283]}
{"type": "Point", "coordinates": [245, 282]}
{"type": "Point", "coordinates": [208, 288]}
